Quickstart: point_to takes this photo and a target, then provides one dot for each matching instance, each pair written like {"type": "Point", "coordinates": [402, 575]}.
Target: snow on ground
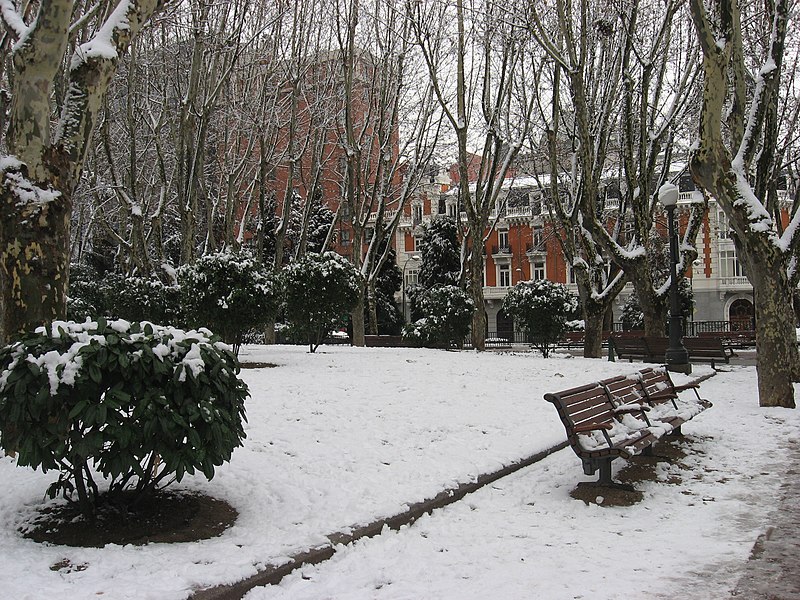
{"type": "Point", "coordinates": [347, 435]}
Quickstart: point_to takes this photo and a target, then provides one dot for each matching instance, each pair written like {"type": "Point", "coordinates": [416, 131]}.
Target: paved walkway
{"type": "Point", "coordinates": [773, 571]}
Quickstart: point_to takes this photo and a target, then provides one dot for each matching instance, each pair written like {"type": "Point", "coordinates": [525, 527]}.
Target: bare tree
{"type": "Point", "coordinates": [41, 166]}
{"type": "Point", "coordinates": [383, 165]}
{"type": "Point", "coordinates": [485, 105]}
{"type": "Point", "coordinates": [582, 145]}
{"type": "Point", "coordinates": [630, 77]}
{"type": "Point", "coordinates": [736, 163]}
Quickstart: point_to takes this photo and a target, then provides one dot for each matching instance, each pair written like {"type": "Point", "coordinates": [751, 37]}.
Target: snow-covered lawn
{"type": "Point", "coordinates": [347, 435]}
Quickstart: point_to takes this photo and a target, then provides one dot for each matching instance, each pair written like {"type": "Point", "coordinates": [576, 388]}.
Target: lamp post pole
{"type": "Point", "coordinates": [676, 357]}
{"type": "Point", "coordinates": [413, 257]}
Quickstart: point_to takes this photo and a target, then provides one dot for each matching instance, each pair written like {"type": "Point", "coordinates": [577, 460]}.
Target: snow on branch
{"type": "Point", "coordinates": [13, 19]}
{"type": "Point", "coordinates": [91, 69]}
{"type": "Point", "coordinates": [28, 195]}
{"type": "Point", "coordinates": [758, 218]}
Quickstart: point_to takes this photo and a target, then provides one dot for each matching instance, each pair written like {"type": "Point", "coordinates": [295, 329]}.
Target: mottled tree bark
{"type": "Point", "coordinates": [34, 258]}
{"type": "Point", "coordinates": [38, 179]}
{"type": "Point", "coordinates": [722, 165]}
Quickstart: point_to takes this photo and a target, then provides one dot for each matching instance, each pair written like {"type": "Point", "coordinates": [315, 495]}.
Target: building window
{"type": "Point", "coordinates": [451, 210]}
{"type": "Point", "coordinates": [412, 277]}
{"type": "Point", "coordinates": [536, 205]}
{"type": "Point", "coordinates": [345, 237]}
{"type": "Point", "coordinates": [537, 270]}
{"type": "Point", "coordinates": [723, 226]}
{"type": "Point", "coordinates": [729, 265]}
{"type": "Point", "coordinates": [416, 214]}
{"type": "Point", "coordinates": [538, 237]}
{"type": "Point", "coordinates": [502, 240]}
{"type": "Point", "coordinates": [504, 275]}
{"type": "Point", "coordinates": [442, 204]}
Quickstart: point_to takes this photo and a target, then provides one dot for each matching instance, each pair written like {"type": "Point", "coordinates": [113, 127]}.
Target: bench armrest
{"type": "Point", "coordinates": [630, 408]}
{"type": "Point", "coordinates": [587, 427]}
{"type": "Point", "coordinates": [686, 386]}
{"type": "Point", "coordinates": [665, 395]}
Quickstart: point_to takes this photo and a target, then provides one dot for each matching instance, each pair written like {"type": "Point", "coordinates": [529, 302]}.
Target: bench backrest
{"type": "Point", "coordinates": [581, 405]}
{"type": "Point", "coordinates": [624, 389]}
{"type": "Point", "coordinates": [655, 380]}
{"type": "Point", "coordinates": [704, 344]}
{"type": "Point", "coordinates": [657, 345]}
{"type": "Point", "coordinates": [628, 343]}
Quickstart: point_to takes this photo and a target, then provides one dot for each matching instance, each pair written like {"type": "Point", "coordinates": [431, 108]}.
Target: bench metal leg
{"type": "Point", "coordinates": [604, 479]}
{"type": "Point", "coordinates": [677, 431]}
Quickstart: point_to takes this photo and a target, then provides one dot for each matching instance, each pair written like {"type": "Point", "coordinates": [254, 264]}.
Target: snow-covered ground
{"type": "Point", "coordinates": [347, 435]}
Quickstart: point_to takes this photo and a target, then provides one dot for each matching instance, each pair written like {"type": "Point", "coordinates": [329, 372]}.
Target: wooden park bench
{"type": "Point", "coordinates": [627, 347]}
{"type": "Point", "coordinates": [632, 348]}
{"type": "Point", "coordinates": [708, 348]}
{"type": "Point", "coordinates": [732, 339]}
{"type": "Point", "coordinates": [622, 417]}
{"type": "Point", "coordinates": [572, 339]}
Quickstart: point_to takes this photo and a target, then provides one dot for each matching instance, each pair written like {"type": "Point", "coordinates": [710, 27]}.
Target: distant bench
{"type": "Point", "coordinates": [575, 339]}
{"type": "Point", "coordinates": [623, 416]}
{"type": "Point", "coordinates": [732, 339]}
{"type": "Point", "coordinates": [653, 349]}
{"type": "Point", "coordinates": [708, 348]}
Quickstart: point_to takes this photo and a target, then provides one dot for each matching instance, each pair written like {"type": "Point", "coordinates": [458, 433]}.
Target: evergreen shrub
{"type": "Point", "coordinates": [447, 311]}
{"type": "Point", "coordinates": [228, 293]}
{"type": "Point", "coordinates": [320, 291]}
{"type": "Point", "coordinates": [135, 402]}
{"type": "Point", "coordinates": [542, 308]}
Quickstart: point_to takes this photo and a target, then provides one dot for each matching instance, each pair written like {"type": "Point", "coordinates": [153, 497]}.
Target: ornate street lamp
{"type": "Point", "coordinates": [676, 357]}
{"type": "Point", "coordinates": [411, 257]}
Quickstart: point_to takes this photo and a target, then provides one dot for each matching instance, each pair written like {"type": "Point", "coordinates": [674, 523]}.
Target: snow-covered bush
{"type": "Point", "coordinates": [447, 314]}
{"type": "Point", "coordinates": [320, 291]}
{"type": "Point", "coordinates": [118, 297]}
{"type": "Point", "coordinates": [228, 293]}
{"type": "Point", "coordinates": [135, 402]}
{"type": "Point", "coordinates": [148, 299]}
{"type": "Point", "coordinates": [542, 308]}
{"type": "Point", "coordinates": [632, 315]}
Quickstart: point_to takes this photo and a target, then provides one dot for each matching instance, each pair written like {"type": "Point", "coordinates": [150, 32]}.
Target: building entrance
{"type": "Point", "coordinates": [742, 315]}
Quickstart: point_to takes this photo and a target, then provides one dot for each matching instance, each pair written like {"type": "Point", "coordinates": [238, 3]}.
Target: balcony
{"type": "Point", "coordinates": [735, 283]}
{"type": "Point", "coordinates": [503, 250]}
{"type": "Point", "coordinates": [387, 216]}
{"type": "Point", "coordinates": [690, 197]}
{"type": "Point", "coordinates": [495, 292]}
{"type": "Point", "coordinates": [518, 212]}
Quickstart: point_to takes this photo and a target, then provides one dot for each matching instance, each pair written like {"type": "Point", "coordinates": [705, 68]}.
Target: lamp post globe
{"type": "Point", "coordinates": [676, 356]}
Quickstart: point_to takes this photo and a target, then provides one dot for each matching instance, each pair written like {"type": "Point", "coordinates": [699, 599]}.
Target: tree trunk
{"type": "Point", "coordinates": [654, 308]}
{"type": "Point", "coordinates": [269, 331]}
{"type": "Point", "coordinates": [34, 260]}
{"type": "Point", "coordinates": [593, 313]}
{"type": "Point", "coordinates": [776, 346]}
{"type": "Point", "coordinates": [372, 304]}
{"type": "Point", "coordinates": [476, 293]}
{"type": "Point", "coordinates": [357, 317]}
